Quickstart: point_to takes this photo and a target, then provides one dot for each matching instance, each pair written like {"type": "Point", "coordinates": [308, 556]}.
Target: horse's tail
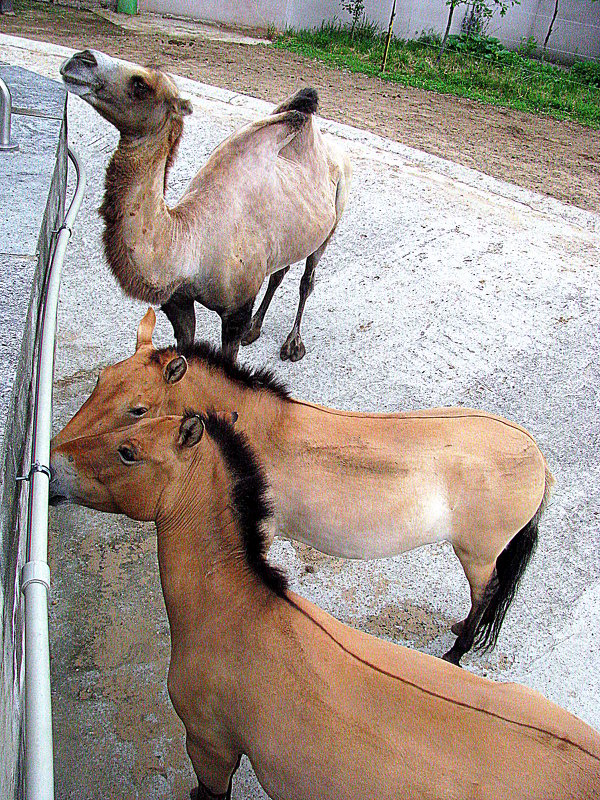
{"type": "Point", "coordinates": [306, 101]}
{"type": "Point", "coordinates": [510, 568]}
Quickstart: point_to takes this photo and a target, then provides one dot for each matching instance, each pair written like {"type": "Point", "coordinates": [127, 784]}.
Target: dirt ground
{"type": "Point", "coordinates": [560, 159]}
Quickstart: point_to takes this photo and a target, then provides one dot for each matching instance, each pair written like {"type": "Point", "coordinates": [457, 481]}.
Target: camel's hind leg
{"type": "Point", "coordinates": [253, 331]}
{"type": "Point", "coordinates": [293, 347]}
{"type": "Point", "coordinates": [482, 581]}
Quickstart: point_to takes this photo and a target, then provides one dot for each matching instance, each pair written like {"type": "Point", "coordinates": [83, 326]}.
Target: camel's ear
{"type": "Point", "coordinates": [146, 329]}
{"type": "Point", "coordinates": [227, 416]}
{"type": "Point", "coordinates": [175, 369]}
{"type": "Point", "coordinates": [190, 432]}
{"type": "Point", "coordinates": [185, 107]}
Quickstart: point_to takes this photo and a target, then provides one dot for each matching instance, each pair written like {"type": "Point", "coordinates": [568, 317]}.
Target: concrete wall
{"type": "Point", "coordinates": [32, 196]}
{"type": "Point", "coordinates": [576, 31]}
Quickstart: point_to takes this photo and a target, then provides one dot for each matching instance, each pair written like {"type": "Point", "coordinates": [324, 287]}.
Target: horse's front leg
{"type": "Point", "coordinates": [214, 773]}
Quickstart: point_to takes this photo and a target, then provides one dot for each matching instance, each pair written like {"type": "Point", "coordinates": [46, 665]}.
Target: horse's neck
{"type": "Point", "coordinates": [261, 413]}
{"type": "Point", "coordinates": [207, 584]}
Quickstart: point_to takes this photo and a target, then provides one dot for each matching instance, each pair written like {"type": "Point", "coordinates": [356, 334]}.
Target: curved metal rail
{"type": "Point", "coordinates": [35, 577]}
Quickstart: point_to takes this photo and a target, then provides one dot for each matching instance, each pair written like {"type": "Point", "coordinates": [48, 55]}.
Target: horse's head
{"type": "Point", "coordinates": [136, 100]}
{"type": "Point", "coordinates": [139, 471]}
{"type": "Point", "coordinates": [145, 385]}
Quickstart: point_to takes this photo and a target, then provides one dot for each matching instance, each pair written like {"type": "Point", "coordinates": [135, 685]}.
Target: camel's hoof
{"type": "Point", "coordinates": [293, 349]}
{"type": "Point", "coordinates": [457, 628]}
{"type": "Point", "coordinates": [251, 335]}
{"type": "Point", "coordinates": [452, 658]}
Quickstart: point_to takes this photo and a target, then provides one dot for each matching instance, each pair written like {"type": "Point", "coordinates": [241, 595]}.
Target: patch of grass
{"type": "Point", "coordinates": [477, 67]}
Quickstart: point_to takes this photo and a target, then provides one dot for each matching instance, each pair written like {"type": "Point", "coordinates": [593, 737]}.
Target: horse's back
{"type": "Point", "coordinates": [448, 733]}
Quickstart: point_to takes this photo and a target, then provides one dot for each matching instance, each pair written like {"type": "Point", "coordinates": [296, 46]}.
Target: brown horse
{"type": "Point", "coordinates": [322, 710]}
{"type": "Point", "coordinates": [358, 485]}
{"type": "Point", "coordinates": [268, 196]}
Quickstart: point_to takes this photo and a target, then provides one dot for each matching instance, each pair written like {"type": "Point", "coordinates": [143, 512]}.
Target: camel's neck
{"type": "Point", "coordinates": [141, 238]}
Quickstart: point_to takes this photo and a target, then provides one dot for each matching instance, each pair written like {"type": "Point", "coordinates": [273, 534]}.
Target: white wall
{"type": "Point", "coordinates": [576, 30]}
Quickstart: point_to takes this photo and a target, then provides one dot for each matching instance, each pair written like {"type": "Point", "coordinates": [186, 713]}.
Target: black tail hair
{"type": "Point", "coordinates": [306, 101]}
{"type": "Point", "coordinates": [510, 568]}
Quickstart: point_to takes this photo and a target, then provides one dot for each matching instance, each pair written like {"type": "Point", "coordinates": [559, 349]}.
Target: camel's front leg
{"type": "Point", "coordinates": [233, 326]}
{"type": "Point", "coordinates": [253, 331]}
{"type": "Point", "coordinates": [180, 313]}
{"type": "Point", "coordinates": [293, 347]}
{"type": "Point", "coordinates": [214, 773]}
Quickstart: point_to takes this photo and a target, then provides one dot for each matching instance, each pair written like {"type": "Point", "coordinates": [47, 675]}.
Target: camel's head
{"type": "Point", "coordinates": [137, 101]}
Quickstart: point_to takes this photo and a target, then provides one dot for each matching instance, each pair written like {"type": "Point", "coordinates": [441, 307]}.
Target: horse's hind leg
{"type": "Point", "coordinates": [293, 347]}
{"type": "Point", "coordinates": [253, 331]}
{"type": "Point", "coordinates": [180, 313]}
{"type": "Point", "coordinates": [482, 581]}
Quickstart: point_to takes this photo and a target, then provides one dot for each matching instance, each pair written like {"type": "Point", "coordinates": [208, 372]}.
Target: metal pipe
{"type": "Point", "coordinates": [5, 112]}
{"type": "Point", "coordinates": [39, 769]}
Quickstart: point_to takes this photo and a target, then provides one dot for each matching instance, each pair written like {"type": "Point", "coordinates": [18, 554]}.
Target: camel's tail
{"type": "Point", "coordinates": [510, 568]}
{"type": "Point", "coordinates": [306, 101]}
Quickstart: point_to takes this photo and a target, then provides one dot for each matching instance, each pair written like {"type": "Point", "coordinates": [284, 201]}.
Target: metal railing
{"type": "Point", "coordinates": [6, 143]}
{"type": "Point", "coordinates": [35, 577]}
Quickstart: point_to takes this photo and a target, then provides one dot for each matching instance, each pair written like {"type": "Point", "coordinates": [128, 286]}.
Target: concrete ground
{"type": "Point", "coordinates": [442, 287]}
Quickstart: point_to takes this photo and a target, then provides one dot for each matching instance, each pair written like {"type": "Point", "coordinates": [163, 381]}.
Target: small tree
{"type": "Point", "coordinates": [550, 29]}
{"type": "Point", "coordinates": [388, 38]}
{"type": "Point", "coordinates": [483, 9]}
{"type": "Point", "coordinates": [356, 9]}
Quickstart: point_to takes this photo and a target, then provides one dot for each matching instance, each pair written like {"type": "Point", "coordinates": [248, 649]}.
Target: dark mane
{"type": "Point", "coordinates": [248, 497]}
{"type": "Point", "coordinates": [255, 379]}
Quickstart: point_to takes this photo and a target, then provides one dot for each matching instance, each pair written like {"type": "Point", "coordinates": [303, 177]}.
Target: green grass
{"type": "Point", "coordinates": [479, 68]}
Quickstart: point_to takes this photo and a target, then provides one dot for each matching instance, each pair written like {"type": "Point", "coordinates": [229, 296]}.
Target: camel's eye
{"type": "Point", "coordinates": [139, 88]}
{"type": "Point", "coordinates": [138, 411]}
{"type": "Point", "coordinates": [127, 454]}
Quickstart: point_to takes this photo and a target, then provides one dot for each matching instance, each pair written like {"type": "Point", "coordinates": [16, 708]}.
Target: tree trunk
{"type": "Point", "coordinates": [550, 29]}
{"type": "Point", "coordinates": [453, 4]}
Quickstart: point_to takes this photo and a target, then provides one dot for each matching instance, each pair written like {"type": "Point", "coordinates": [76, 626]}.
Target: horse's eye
{"type": "Point", "coordinates": [138, 411]}
{"type": "Point", "coordinates": [127, 454]}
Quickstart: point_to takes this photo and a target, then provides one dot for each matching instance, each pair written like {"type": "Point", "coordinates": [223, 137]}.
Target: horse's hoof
{"type": "Point", "coordinates": [251, 335]}
{"type": "Point", "coordinates": [457, 628]}
{"type": "Point", "coordinates": [293, 349]}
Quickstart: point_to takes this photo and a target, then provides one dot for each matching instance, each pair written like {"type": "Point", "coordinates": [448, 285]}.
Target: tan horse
{"type": "Point", "coordinates": [270, 195]}
{"type": "Point", "coordinates": [322, 710]}
{"type": "Point", "coordinates": [357, 485]}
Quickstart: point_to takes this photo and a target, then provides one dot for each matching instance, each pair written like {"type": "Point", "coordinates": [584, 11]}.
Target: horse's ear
{"type": "Point", "coordinates": [175, 369]}
{"type": "Point", "coordinates": [146, 329]}
{"type": "Point", "coordinates": [190, 432]}
{"type": "Point", "coordinates": [227, 416]}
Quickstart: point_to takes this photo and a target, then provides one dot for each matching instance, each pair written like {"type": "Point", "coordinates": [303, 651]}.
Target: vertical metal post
{"type": "Point", "coordinates": [5, 112]}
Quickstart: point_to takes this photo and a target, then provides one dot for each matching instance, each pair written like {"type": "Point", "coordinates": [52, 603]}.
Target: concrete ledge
{"type": "Point", "coordinates": [31, 208]}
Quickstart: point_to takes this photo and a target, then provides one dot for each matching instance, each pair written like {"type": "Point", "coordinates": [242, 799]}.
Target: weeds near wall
{"type": "Point", "coordinates": [474, 66]}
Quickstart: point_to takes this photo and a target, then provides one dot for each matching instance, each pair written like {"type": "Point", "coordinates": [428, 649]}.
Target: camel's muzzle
{"type": "Point", "coordinates": [81, 72]}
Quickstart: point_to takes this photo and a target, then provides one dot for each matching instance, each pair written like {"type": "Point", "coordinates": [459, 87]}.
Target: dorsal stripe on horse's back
{"type": "Point", "coordinates": [248, 495]}
{"type": "Point", "coordinates": [255, 379]}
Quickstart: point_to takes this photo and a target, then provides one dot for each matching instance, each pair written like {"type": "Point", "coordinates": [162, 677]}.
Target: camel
{"type": "Point", "coordinates": [270, 195]}
{"type": "Point", "coordinates": [322, 710]}
{"type": "Point", "coordinates": [357, 485]}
